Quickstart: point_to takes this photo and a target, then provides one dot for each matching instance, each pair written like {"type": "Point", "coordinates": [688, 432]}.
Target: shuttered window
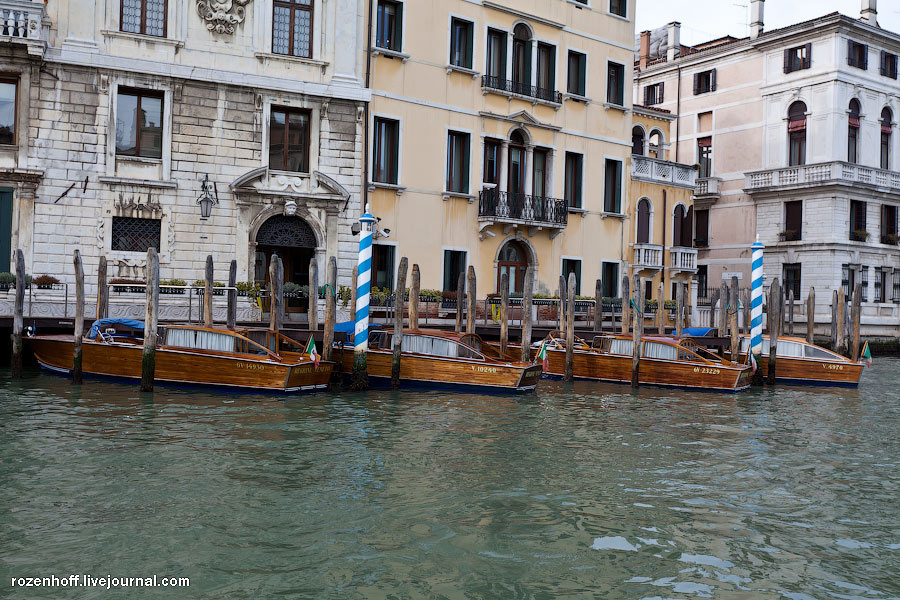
{"type": "Point", "coordinates": [857, 55]}
{"type": "Point", "coordinates": [796, 59]}
{"type": "Point", "coordinates": [888, 64]}
{"type": "Point", "coordinates": [704, 82]}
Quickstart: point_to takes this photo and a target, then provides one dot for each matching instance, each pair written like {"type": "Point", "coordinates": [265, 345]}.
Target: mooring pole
{"type": "Point", "coordinates": [570, 329]}
{"type": "Point", "coordinates": [637, 330]}
{"type": "Point", "coordinates": [460, 300]}
{"type": "Point", "coordinates": [790, 311]}
{"type": "Point", "coordinates": [231, 311]}
{"type": "Point", "coordinates": [661, 310]}
{"type": "Point", "coordinates": [756, 308]}
{"type": "Point", "coordinates": [79, 318]}
{"type": "Point", "coordinates": [626, 307]}
{"type": "Point", "coordinates": [18, 315]}
{"type": "Point", "coordinates": [733, 321]}
{"type": "Point", "coordinates": [775, 310]}
{"type": "Point", "coordinates": [399, 301]}
{"type": "Point", "coordinates": [208, 294]}
{"type": "Point", "coordinates": [527, 300]}
{"type": "Point", "coordinates": [834, 320]}
{"type": "Point", "coordinates": [330, 310]}
{"type": "Point", "coordinates": [313, 316]}
{"type": "Point", "coordinates": [151, 316]}
{"type": "Point", "coordinates": [723, 309]}
{"type": "Point", "coordinates": [273, 310]}
{"type": "Point", "coordinates": [414, 298]}
{"type": "Point", "coordinates": [561, 316]}
{"type": "Point", "coordinates": [857, 306]}
{"type": "Point", "coordinates": [363, 288]}
{"type": "Point", "coordinates": [679, 308]}
{"type": "Point", "coordinates": [811, 316]}
{"type": "Point", "coordinates": [102, 290]}
{"type": "Point", "coordinates": [504, 312]}
{"type": "Point", "coordinates": [841, 324]}
{"type": "Point", "coordinates": [598, 306]}
{"type": "Point", "coordinates": [470, 310]}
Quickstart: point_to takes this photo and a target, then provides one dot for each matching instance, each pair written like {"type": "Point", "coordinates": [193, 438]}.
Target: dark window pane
{"type": "Point", "coordinates": [612, 192]}
{"type": "Point", "coordinates": [458, 162]}
{"type": "Point", "coordinates": [135, 235]}
{"type": "Point", "coordinates": [126, 124]}
{"type": "Point", "coordinates": [573, 179]}
{"type": "Point", "coordinates": [388, 30]}
{"type": "Point", "coordinates": [617, 7]}
{"type": "Point", "coordinates": [454, 264]}
{"type": "Point", "coordinates": [386, 151]}
{"type": "Point", "coordinates": [7, 112]}
{"type": "Point", "coordinates": [496, 54]}
{"type": "Point", "coordinates": [151, 127]}
{"type": "Point", "coordinates": [298, 136]}
{"type": "Point", "coordinates": [277, 138]}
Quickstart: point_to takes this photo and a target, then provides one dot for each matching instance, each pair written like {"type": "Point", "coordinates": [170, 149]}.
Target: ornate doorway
{"type": "Point", "coordinates": [295, 242]}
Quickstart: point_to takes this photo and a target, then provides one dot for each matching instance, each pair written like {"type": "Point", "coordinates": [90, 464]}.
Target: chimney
{"type": "Point", "coordinates": [869, 12]}
{"type": "Point", "coordinates": [757, 16]}
{"type": "Point", "coordinates": [645, 49]}
{"type": "Point", "coordinates": [674, 42]}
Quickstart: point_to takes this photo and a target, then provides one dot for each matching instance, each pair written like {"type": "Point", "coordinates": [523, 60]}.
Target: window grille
{"type": "Point", "coordinates": [135, 235]}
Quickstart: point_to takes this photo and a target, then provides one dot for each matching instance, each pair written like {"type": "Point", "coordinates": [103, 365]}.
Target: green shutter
{"type": "Point", "coordinates": [618, 186]}
{"type": "Point", "coordinates": [465, 165]}
{"type": "Point", "coordinates": [6, 200]}
{"type": "Point", "coordinates": [470, 35]}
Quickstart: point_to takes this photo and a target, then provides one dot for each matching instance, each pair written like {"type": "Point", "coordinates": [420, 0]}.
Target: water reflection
{"type": "Point", "coordinates": [580, 490]}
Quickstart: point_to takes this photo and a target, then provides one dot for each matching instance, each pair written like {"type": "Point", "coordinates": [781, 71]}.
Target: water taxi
{"type": "Point", "coordinates": [435, 358]}
{"type": "Point", "coordinates": [798, 361]}
{"type": "Point", "coordinates": [665, 361]}
{"type": "Point", "coordinates": [249, 359]}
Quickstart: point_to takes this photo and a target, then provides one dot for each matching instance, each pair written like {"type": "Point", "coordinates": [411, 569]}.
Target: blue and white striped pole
{"type": "Point", "coordinates": [363, 289]}
{"type": "Point", "coordinates": [756, 302]}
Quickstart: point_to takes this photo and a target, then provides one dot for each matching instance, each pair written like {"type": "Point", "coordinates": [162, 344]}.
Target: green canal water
{"type": "Point", "coordinates": [577, 491]}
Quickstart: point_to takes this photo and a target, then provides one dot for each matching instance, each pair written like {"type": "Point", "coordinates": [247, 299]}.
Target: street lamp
{"type": "Point", "coordinates": [209, 197]}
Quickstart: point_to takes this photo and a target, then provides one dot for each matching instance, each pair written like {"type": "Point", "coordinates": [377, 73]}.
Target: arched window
{"type": "Point", "coordinates": [643, 221]}
{"type": "Point", "coordinates": [887, 128]}
{"type": "Point", "coordinates": [521, 66]}
{"type": "Point", "coordinates": [683, 226]}
{"type": "Point", "coordinates": [797, 134]}
{"type": "Point", "coordinates": [637, 141]}
{"type": "Point", "coordinates": [853, 132]}
{"type": "Point", "coordinates": [656, 144]}
{"type": "Point", "coordinates": [513, 261]}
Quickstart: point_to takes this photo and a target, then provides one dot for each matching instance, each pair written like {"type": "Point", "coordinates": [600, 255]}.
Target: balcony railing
{"type": "Point", "coordinates": [707, 186]}
{"type": "Point", "coordinates": [662, 171]}
{"type": "Point", "coordinates": [522, 89]}
{"type": "Point", "coordinates": [648, 256]}
{"type": "Point", "coordinates": [837, 172]}
{"type": "Point", "coordinates": [21, 21]}
{"type": "Point", "coordinates": [509, 207]}
{"type": "Point", "coordinates": [683, 259]}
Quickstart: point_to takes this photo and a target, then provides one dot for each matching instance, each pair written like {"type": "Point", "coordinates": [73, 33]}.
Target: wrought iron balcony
{"type": "Point", "coordinates": [495, 206]}
{"type": "Point", "coordinates": [664, 172]}
{"type": "Point", "coordinates": [683, 259]}
{"type": "Point", "coordinates": [648, 256]}
{"type": "Point", "coordinates": [832, 173]}
{"type": "Point", "coordinates": [23, 22]}
{"type": "Point", "coordinates": [507, 86]}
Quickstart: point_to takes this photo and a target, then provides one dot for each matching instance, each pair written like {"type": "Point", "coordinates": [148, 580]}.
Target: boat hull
{"type": "Point", "coordinates": [55, 353]}
{"type": "Point", "coordinates": [448, 373]}
{"type": "Point", "coordinates": [617, 369]}
{"type": "Point", "coordinates": [809, 371]}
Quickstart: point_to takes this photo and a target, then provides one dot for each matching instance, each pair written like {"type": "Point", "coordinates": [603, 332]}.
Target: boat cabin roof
{"type": "Point", "coordinates": [455, 344]}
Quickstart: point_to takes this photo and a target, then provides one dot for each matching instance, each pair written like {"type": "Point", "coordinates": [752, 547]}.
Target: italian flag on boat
{"type": "Point", "coordinates": [753, 362]}
{"type": "Point", "coordinates": [543, 356]}
{"type": "Point", "coordinates": [867, 355]}
{"type": "Point", "coordinates": [311, 350]}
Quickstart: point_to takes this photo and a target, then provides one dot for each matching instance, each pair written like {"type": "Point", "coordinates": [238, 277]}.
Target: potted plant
{"type": "Point", "coordinates": [859, 235]}
{"type": "Point", "coordinates": [247, 288]}
{"type": "Point", "coordinates": [789, 235]}
{"type": "Point", "coordinates": [172, 286]}
{"type": "Point", "coordinates": [7, 280]}
{"type": "Point", "coordinates": [891, 239]}
{"type": "Point", "coordinates": [121, 285]}
{"type": "Point", "coordinates": [45, 282]}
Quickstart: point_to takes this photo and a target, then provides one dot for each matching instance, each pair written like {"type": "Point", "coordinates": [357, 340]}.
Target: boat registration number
{"type": "Point", "coordinates": [828, 367]}
{"type": "Point", "coordinates": [479, 369]}
{"type": "Point", "coordinates": [706, 371]}
{"type": "Point", "coordinates": [251, 366]}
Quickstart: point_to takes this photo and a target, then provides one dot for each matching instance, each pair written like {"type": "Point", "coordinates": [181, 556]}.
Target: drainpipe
{"type": "Point", "coordinates": [678, 115]}
{"type": "Point", "coordinates": [665, 216]}
{"type": "Point", "coordinates": [365, 152]}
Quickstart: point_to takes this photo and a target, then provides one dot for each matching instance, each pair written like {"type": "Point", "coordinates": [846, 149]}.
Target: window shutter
{"type": "Point", "coordinates": [884, 67]}
{"type": "Point", "coordinates": [787, 60]}
{"type": "Point", "coordinates": [662, 88]}
{"type": "Point", "coordinates": [807, 62]}
{"type": "Point", "coordinates": [618, 187]}
{"type": "Point", "coordinates": [687, 230]}
{"type": "Point", "coordinates": [696, 83]}
{"type": "Point", "coordinates": [712, 81]}
{"type": "Point", "coordinates": [865, 61]}
{"type": "Point", "coordinates": [465, 165]}
{"type": "Point", "coordinates": [582, 76]}
{"type": "Point", "coordinates": [470, 34]}
{"type": "Point", "coordinates": [677, 223]}
{"type": "Point", "coordinates": [850, 53]}
{"type": "Point", "coordinates": [398, 27]}
{"type": "Point", "coordinates": [647, 96]}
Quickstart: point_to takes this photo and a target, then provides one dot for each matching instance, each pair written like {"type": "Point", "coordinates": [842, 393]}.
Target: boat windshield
{"type": "Point", "coordinates": [213, 341]}
{"type": "Point", "coordinates": [436, 346]}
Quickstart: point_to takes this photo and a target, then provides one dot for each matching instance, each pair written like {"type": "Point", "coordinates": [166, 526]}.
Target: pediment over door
{"type": "Point", "coordinates": [264, 182]}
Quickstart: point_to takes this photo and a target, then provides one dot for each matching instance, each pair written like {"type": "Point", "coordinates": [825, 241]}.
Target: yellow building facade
{"type": "Point", "coordinates": [660, 210]}
{"type": "Point", "coordinates": [498, 138]}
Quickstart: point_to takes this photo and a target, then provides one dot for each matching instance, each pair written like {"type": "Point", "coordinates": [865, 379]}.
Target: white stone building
{"type": "Point", "coordinates": [113, 113]}
{"type": "Point", "coordinates": [795, 133]}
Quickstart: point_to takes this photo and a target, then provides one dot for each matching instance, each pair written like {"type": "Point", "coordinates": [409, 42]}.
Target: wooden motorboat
{"type": "Point", "coordinates": [435, 358]}
{"type": "Point", "coordinates": [190, 355]}
{"type": "Point", "coordinates": [798, 361]}
{"type": "Point", "coordinates": [665, 361]}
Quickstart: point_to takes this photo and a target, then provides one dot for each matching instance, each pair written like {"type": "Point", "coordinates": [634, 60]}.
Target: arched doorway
{"type": "Point", "coordinates": [513, 261]}
{"type": "Point", "coordinates": [295, 242]}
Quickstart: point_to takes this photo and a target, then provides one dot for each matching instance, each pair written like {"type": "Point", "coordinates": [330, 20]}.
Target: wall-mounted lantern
{"type": "Point", "coordinates": [209, 197]}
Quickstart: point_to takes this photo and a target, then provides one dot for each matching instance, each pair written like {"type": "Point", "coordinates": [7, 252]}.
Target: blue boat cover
{"type": "Point", "coordinates": [697, 331]}
{"type": "Point", "coordinates": [349, 327]}
{"type": "Point", "coordinates": [97, 325]}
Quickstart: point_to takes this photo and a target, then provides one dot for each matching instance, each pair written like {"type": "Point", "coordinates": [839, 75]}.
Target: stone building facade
{"type": "Point", "coordinates": [122, 109]}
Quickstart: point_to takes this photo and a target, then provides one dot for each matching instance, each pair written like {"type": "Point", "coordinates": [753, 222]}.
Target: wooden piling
{"type": "Point", "coordinates": [208, 294]}
{"type": "Point", "coordinates": [790, 294]}
{"type": "Point", "coordinates": [626, 307]}
{"type": "Point", "coordinates": [637, 330]}
{"type": "Point", "coordinates": [834, 321]}
{"type": "Point", "coordinates": [570, 329]}
{"type": "Point", "coordinates": [840, 323]}
{"type": "Point", "coordinates": [774, 318]}
{"type": "Point", "coordinates": [733, 320]}
{"type": "Point", "coordinates": [279, 294]}
{"type": "Point", "coordinates": [504, 312]}
{"type": "Point", "coordinates": [747, 316]}
{"type": "Point", "coordinates": [527, 298]}
{"type": "Point", "coordinates": [782, 313]}
{"type": "Point", "coordinates": [399, 301]}
{"type": "Point", "coordinates": [460, 300]}
{"type": "Point", "coordinates": [313, 309]}
{"type": "Point", "coordinates": [151, 316]}
{"type": "Point", "coordinates": [79, 318]}
{"type": "Point", "coordinates": [856, 308]}
{"type": "Point", "coordinates": [723, 310]}
{"type": "Point", "coordinates": [679, 308]}
{"type": "Point", "coordinates": [661, 310]}
{"type": "Point", "coordinates": [598, 306]}
{"type": "Point", "coordinates": [330, 309]}
{"type": "Point", "coordinates": [811, 316]}
{"type": "Point", "coordinates": [273, 287]}
{"type": "Point", "coordinates": [470, 309]}
{"type": "Point", "coordinates": [18, 315]}
{"type": "Point", "coordinates": [102, 290]}
{"type": "Point", "coordinates": [231, 311]}
{"type": "Point", "coordinates": [414, 298]}
{"type": "Point", "coordinates": [561, 313]}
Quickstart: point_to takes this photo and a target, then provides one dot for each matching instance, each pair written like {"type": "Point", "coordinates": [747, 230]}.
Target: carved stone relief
{"type": "Point", "coordinates": [221, 16]}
